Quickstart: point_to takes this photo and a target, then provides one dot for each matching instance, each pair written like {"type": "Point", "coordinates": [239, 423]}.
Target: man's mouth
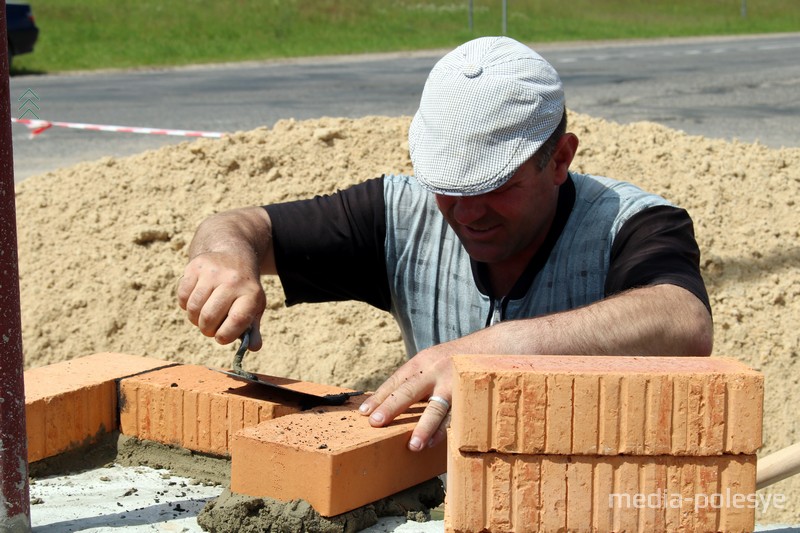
{"type": "Point", "coordinates": [481, 231]}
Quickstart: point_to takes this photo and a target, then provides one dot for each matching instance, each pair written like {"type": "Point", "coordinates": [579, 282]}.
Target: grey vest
{"type": "Point", "coordinates": [434, 296]}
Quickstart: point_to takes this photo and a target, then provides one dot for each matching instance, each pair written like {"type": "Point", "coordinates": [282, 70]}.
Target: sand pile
{"type": "Point", "coordinates": [102, 245]}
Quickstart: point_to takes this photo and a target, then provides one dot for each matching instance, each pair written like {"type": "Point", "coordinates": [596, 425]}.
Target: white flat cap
{"type": "Point", "coordinates": [486, 108]}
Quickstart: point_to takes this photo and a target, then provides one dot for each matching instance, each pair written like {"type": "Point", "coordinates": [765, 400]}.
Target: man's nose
{"type": "Point", "coordinates": [467, 210]}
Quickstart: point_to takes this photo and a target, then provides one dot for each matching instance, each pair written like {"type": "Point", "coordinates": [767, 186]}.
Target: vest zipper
{"type": "Point", "coordinates": [496, 312]}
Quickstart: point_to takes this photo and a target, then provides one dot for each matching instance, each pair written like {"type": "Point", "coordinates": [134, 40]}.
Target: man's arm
{"type": "Point", "coordinates": [656, 320]}
{"type": "Point", "coordinates": [220, 288]}
{"type": "Point", "coordinates": [327, 248]}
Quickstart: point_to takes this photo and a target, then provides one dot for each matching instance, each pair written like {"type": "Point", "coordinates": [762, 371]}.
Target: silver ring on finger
{"type": "Point", "coordinates": [439, 399]}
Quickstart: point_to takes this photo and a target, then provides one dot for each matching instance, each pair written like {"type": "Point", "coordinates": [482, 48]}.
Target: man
{"type": "Point", "coordinates": [492, 247]}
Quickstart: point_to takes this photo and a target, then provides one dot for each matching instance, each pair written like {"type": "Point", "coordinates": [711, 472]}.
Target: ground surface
{"type": "Point", "coordinates": [141, 500]}
{"type": "Point", "coordinates": [102, 245]}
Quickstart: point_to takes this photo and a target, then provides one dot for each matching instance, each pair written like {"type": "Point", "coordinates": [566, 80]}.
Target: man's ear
{"type": "Point", "coordinates": [563, 155]}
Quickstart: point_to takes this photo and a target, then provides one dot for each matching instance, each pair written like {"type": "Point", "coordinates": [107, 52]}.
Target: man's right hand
{"type": "Point", "coordinates": [220, 289]}
{"type": "Point", "coordinates": [223, 296]}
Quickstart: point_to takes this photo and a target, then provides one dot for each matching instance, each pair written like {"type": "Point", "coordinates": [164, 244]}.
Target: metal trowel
{"type": "Point", "coordinates": [306, 400]}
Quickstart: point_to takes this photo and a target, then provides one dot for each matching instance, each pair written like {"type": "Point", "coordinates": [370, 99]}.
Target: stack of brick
{"type": "Point", "coordinates": [567, 443]}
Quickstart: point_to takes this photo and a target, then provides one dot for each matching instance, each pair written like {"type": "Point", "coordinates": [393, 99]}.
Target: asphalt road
{"type": "Point", "coordinates": [745, 88]}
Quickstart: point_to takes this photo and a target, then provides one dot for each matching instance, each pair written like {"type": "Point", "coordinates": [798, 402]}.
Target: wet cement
{"type": "Point", "coordinates": [232, 513]}
{"type": "Point", "coordinates": [130, 451]}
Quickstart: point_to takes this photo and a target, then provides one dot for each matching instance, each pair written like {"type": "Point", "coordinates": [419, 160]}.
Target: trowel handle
{"type": "Point", "coordinates": [245, 338]}
{"type": "Point", "coordinates": [237, 359]}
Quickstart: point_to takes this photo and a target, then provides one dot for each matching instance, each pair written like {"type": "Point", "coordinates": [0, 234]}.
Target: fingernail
{"type": "Point", "coordinates": [364, 409]}
{"type": "Point", "coordinates": [377, 417]}
{"type": "Point", "coordinates": [415, 444]}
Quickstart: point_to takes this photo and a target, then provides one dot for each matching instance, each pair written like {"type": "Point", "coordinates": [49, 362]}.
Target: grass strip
{"type": "Point", "coordinates": [97, 34]}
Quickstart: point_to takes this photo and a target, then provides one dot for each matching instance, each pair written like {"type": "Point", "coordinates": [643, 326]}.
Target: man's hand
{"type": "Point", "coordinates": [429, 374]}
{"type": "Point", "coordinates": [220, 289]}
{"type": "Point", "coordinates": [222, 297]}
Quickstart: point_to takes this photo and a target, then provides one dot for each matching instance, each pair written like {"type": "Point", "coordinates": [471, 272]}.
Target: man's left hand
{"type": "Point", "coordinates": [427, 376]}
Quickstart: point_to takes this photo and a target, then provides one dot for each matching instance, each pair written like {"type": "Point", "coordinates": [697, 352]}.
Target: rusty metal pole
{"type": "Point", "coordinates": [14, 498]}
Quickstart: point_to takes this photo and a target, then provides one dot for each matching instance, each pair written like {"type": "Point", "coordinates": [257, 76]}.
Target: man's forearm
{"type": "Point", "coordinates": [245, 233]}
{"type": "Point", "coordinates": [657, 320]}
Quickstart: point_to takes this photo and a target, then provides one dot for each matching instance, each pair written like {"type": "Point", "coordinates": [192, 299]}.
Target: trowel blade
{"type": "Point", "coordinates": [304, 399]}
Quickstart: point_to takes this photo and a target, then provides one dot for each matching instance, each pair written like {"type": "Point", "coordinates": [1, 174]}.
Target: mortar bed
{"type": "Point", "coordinates": [124, 483]}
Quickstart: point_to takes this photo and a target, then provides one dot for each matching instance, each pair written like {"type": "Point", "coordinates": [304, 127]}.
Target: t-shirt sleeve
{"type": "Point", "coordinates": [656, 246]}
{"type": "Point", "coordinates": [331, 247]}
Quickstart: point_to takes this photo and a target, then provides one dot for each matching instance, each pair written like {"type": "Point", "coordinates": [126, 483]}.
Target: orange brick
{"type": "Point", "coordinates": [556, 493]}
{"type": "Point", "coordinates": [332, 458]}
{"type": "Point", "coordinates": [606, 405]}
{"type": "Point", "coordinates": [72, 403]}
{"type": "Point", "coordinates": [200, 409]}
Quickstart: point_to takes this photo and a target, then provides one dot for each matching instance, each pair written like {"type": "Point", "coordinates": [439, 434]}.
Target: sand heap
{"type": "Point", "coordinates": [102, 245]}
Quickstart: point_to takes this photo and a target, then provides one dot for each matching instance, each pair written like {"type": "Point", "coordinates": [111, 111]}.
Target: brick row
{"type": "Point", "coordinates": [555, 493]}
{"type": "Point", "coordinates": [589, 405]}
{"type": "Point", "coordinates": [200, 409]}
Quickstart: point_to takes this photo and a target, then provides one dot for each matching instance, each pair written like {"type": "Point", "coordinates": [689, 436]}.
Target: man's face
{"type": "Point", "coordinates": [506, 225]}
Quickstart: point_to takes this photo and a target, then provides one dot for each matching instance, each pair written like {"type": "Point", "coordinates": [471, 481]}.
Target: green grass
{"type": "Point", "coordinates": [96, 34]}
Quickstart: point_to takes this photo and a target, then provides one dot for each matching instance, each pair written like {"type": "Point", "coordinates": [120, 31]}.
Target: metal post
{"type": "Point", "coordinates": [15, 495]}
{"type": "Point", "coordinates": [744, 9]}
{"type": "Point", "coordinates": [471, 23]}
{"type": "Point", "coordinates": [505, 17]}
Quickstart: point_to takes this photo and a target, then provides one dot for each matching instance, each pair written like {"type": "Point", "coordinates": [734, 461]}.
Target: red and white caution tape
{"type": "Point", "coordinates": [38, 126]}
